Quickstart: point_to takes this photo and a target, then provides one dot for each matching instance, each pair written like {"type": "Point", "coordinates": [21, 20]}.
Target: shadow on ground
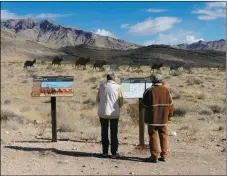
{"type": "Point", "coordinates": [70, 153]}
{"type": "Point", "coordinates": [48, 140]}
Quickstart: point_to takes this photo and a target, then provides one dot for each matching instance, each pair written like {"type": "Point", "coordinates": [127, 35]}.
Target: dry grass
{"type": "Point", "coordinates": [41, 128]}
{"type": "Point", "coordinates": [206, 111]}
{"type": "Point", "coordinates": [133, 112]}
{"type": "Point", "coordinates": [79, 113]}
{"type": "Point", "coordinates": [194, 81]}
{"type": "Point", "coordinates": [175, 94]}
{"type": "Point", "coordinates": [90, 103]}
{"type": "Point", "coordinates": [190, 129]}
{"type": "Point", "coordinates": [92, 79]}
{"type": "Point", "coordinates": [193, 93]}
{"type": "Point", "coordinates": [8, 113]}
{"type": "Point", "coordinates": [65, 123]}
{"type": "Point", "coordinates": [176, 73]}
{"type": "Point", "coordinates": [139, 70]}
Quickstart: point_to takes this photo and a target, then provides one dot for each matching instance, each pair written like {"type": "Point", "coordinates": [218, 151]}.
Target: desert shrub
{"type": "Point", "coordinates": [7, 101]}
{"type": "Point", "coordinates": [24, 109]}
{"type": "Point", "coordinates": [201, 96]}
{"type": "Point", "coordinates": [133, 112]}
{"type": "Point", "coordinates": [139, 70]}
{"type": "Point", "coordinates": [47, 101]}
{"type": "Point", "coordinates": [9, 114]}
{"type": "Point", "coordinates": [66, 124]}
{"type": "Point", "coordinates": [184, 127]}
{"type": "Point", "coordinates": [43, 62]}
{"type": "Point", "coordinates": [223, 99]}
{"type": "Point", "coordinates": [95, 86]}
{"type": "Point", "coordinates": [32, 75]}
{"type": "Point", "coordinates": [176, 73]}
{"type": "Point", "coordinates": [205, 111]}
{"type": "Point", "coordinates": [175, 94]}
{"type": "Point", "coordinates": [217, 108]}
{"type": "Point", "coordinates": [93, 79]}
{"type": "Point", "coordinates": [180, 112]}
{"type": "Point", "coordinates": [193, 81]}
{"type": "Point", "coordinates": [191, 129]}
{"type": "Point", "coordinates": [90, 103]}
{"type": "Point", "coordinates": [220, 128]}
{"type": "Point", "coordinates": [24, 81]}
{"type": "Point", "coordinates": [42, 128]}
{"type": "Point", "coordinates": [167, 77]}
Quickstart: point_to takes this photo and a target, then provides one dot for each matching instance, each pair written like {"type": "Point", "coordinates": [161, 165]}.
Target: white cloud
{"type": "Point", "coordinates": [123, 26]}
{"type": "Point", "coordinates": [5, 15]}
{"type": "Point", "coordinates": [155, 10]}
{"type": "Point", "coordinates": [174, 39]}
{"type": "Point", "coordinates": [51, 15]}
{"type": "Point", "coordinates": [104, 32]}
{"type": "Point", "coordinates": [212, 11]}
{"type": "Point", "coordinates": [216, 4]}
{"type": "Point", "coordinates": [153, 26]}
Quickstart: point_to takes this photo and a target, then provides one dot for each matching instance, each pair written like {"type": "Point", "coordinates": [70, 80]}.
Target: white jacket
{"type": "Point", "coordinates": [110, 99]}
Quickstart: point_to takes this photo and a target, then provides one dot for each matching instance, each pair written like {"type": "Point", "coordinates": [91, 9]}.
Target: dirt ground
{"type": "Point", "coordinates": [26, 147]}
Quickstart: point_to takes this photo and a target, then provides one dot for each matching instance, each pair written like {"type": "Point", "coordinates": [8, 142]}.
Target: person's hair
{"type": "Point", "coordinates": [156, 78]}
{"type": "Point", "coordinates": [110, 77]}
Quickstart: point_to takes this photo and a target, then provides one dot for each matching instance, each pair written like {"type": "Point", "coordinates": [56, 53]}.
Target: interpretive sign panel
{"type": "Point", "coordinates": [134, 87]}
{"type": "Point", "coordinates": [52, 86]}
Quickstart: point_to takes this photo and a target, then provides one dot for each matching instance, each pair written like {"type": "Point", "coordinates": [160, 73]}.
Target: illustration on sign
{"type": "Point", "coordinates": [52, 86]}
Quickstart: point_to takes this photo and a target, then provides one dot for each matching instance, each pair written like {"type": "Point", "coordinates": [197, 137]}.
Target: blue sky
{"type": "Point", "coordinates": [56, 84]}
{"type": "Point", "coordinates": [137, 22]}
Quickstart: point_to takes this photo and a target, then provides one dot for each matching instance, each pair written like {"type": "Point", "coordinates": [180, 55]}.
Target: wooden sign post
{"type": "Point", "coordinates": [53, 119]}
{"type": "Point", "coordinates": [141, 124]}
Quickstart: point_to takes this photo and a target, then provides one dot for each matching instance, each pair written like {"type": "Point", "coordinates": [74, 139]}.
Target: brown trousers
{"type": "Point", "coordinates": [154, 132]}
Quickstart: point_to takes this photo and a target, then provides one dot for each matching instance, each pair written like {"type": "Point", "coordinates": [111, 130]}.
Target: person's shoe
{"type": "Point", "coordinates": [117, 155]}
{"type": "Point", "coordinates": [162, 159]}
{"type": "Point", "coordinates": [151, 160]}
{"type": "Point", "coordinates": [105, 155]}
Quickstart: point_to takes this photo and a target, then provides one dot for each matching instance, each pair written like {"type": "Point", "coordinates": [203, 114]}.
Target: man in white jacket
{"type": "Point", "coordinates": [110, 99]}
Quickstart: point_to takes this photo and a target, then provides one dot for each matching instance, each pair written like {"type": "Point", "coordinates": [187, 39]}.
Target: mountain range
{"type": "Point", "coordinates": [219, 45]}
{"type": "Point", "coordinates": [15, 46]}
{"type": "Point", "coordinates": [47, 32]}
{"type": "Point", "coordinates": [50, 33]}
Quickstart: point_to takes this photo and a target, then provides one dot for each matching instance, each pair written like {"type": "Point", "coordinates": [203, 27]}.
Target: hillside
{"type": "Point", "coordinates": [50, 33]}
{"type": "Point", "coordinates": [22, 48]}
{"type": "Point", "coordinates": [150, 54]}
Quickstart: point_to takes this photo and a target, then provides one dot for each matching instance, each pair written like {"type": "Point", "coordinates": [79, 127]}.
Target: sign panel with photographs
{"type": "Point", "coordinates": [52, 86]}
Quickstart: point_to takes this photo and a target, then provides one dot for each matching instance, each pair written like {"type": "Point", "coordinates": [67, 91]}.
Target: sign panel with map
{"type": "Point", "coordinates": [53, 86]}
{"type": "Point", "coordinates": [134, 87]}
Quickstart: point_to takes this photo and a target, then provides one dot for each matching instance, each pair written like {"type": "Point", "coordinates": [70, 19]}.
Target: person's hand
{"type": "Point", "coordinates": [169, 119]}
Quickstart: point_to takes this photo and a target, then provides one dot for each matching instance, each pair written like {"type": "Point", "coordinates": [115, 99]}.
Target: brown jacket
{"type": "Point", "coordinates": [158, 105]}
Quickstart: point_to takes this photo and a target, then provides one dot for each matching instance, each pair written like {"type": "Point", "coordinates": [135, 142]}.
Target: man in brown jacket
{"type": "Point", "coordinates": [159, 108]}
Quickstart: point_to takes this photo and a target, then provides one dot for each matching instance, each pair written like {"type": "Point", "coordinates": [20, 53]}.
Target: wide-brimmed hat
{"type": "Point", "coordinates": [156, 77]}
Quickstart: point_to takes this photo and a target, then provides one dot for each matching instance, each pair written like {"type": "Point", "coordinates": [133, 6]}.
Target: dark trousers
{"type": "Point", "coordinates": [113, 135]}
